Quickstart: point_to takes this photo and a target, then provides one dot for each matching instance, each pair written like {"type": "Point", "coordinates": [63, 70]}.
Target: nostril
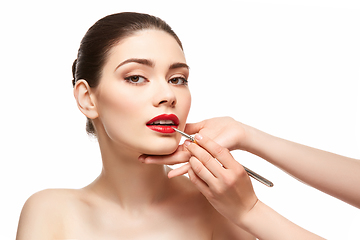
{"type": "Point", "coordinates": [170, 103]}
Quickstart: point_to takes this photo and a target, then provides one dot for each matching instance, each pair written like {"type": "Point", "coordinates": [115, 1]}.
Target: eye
{"type": "Point", "coordinates": [178, 81]}
{"type": "Point", "coordinates": [135, 79]}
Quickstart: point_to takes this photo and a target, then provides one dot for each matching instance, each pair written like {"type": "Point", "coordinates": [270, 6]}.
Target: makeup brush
{"type": "Point", "coordinates": [249, 172]}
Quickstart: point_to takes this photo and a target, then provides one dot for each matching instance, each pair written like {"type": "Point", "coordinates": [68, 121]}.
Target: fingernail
{"type": "Point", "coordinates": [186, 143]}
{"type": "Point", "coordinates": [198, 136]}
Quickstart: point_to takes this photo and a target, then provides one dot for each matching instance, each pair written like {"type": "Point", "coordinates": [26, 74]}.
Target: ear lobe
{"type": "Point", "coordinates": [84, 100]}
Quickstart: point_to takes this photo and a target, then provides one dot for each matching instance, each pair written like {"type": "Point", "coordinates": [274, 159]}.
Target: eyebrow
{"type": "Point", "coordinates": [150, 63]}
{"type": "Point", "coordinates": [137, 60]}
{"type": "Point", "coordinates": [179, 65]}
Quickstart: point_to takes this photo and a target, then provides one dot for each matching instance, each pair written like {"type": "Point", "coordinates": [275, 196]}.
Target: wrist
{"type": "Point", "coordinates": [265, 223]}
{"type": "Point", "coordinates": [249, 140]}
{"type": "Point", "coordinates": [246, 221]}
{"type": "Point", "coordinates": [262, 222]}
{"type": "Point", "coordinates": [257, 141]}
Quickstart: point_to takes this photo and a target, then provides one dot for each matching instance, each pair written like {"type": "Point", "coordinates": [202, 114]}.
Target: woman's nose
{"type": "Point", "coordinates": [164, 95]}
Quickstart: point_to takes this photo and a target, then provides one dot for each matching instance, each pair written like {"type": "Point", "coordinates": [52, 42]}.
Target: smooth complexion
{"type": "Point", "coordinates": [144, 76]}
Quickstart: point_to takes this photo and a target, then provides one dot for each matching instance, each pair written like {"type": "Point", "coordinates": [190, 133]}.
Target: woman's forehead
{"type": "Point", "coordinates": [148, 44]}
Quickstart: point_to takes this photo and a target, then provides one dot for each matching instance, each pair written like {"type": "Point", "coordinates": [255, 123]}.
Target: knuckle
{"type": "Point", "coordinates": [232, 177]}
{"type": "Point", "coordinates": [240, 171]}
{"type": "Point", "coordinates": [230, 180]}
{"type": "Point", "coordinates": [193, 179]}
{"type": "Point", "coordinates": [219, 190]}
{"type": "Point", "coordinates": [218, 150]}
{"type": "Point", "coordinates": [207, 160]}
{"type": "Point", "coordinates": [221, 151]}
{"type": "Point", "coordinates": [197, 168]}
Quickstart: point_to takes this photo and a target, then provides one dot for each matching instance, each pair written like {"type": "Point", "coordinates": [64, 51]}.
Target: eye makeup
{"type": "Point", "coordinates": [136, 79]}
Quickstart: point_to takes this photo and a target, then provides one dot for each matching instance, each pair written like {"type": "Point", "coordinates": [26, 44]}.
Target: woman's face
{"type": "Point", "coordinates": [143, 90]}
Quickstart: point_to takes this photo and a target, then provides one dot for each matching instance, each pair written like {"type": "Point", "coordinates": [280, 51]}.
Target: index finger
{"type": "Point", "coordinates": [181, 155]}
{"type": "Point", "coordinates": [220, 153]}
{"type": "Point", "coordinates": [192, 128]}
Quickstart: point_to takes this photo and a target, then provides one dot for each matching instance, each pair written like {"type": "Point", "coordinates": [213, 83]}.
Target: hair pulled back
{"type": "Point", "coordinates": [101, 37]}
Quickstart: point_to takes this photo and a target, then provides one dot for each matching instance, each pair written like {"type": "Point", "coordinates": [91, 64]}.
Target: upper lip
{"type": "Point", "coordinates": [171, 117]}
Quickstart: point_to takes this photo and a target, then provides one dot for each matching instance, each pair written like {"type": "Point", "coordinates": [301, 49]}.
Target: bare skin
{"type": "Point", "coordinates": [130, 199]}
{"type": "Point", "coordinates": [228, 185]}
{"type": "Point", "coordinates": [89, 213]}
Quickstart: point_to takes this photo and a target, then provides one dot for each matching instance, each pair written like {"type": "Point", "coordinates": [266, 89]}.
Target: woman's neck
{"type": "Point", "coordinates": [127, 181]}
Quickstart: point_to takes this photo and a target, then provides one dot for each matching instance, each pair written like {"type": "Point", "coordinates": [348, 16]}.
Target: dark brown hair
{"type": "Point", "coordinates": [101, 37]}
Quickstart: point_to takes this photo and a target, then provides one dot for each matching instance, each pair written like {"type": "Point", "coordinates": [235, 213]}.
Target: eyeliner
{"type": "Point", "coordinates": [249, 172]}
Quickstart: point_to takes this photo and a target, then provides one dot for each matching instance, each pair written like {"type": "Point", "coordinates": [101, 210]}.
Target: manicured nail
{"type": "Point", "coordinates": [198, 136]}
{"type": "Point", "coordinates": [187, 143]}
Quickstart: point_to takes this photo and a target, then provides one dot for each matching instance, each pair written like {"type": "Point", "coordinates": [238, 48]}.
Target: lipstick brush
{"type": "Point", "coordinates": [249, 172]}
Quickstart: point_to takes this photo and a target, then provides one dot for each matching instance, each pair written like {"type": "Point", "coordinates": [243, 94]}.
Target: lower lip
{"type": "Point", "coordinates": [161, 129]}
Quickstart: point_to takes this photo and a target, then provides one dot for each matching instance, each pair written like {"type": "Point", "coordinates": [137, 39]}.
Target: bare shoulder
{"type": "Point", "coordinates": [49, 199]}
{"type": "Point", "coordinates": [51, 194]}
{"type": "Point", "coordinates": [41, 216]}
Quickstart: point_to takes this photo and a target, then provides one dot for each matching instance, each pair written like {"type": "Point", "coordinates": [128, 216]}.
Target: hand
{"type": "Point", "coordinates": [181, 155]}
{"type": "Point", "coordinates": [220, 178]}
{"type": "Point", "coordinates": [226, 131]}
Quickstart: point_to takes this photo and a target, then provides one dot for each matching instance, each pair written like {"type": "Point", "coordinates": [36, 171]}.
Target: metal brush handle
{"type": "Point", "coordinates": [250, 173]}
{"type": "Point", "coordinates": [258, 177]}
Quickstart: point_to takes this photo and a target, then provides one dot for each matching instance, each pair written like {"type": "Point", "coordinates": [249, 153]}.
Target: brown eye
{"type": "Point", "coordinates": [174, 80]}
{"type": "Point", "coordinates": [178, 81]}
{"type": "Point", "coordinates": [135, 79]}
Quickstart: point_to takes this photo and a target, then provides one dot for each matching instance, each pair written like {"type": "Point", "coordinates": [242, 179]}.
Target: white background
{"type": "Point", "coordinates": [289, 68]}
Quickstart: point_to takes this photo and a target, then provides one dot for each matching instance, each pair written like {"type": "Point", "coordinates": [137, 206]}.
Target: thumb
{"type": "Point", "coordinates": [192, 128]}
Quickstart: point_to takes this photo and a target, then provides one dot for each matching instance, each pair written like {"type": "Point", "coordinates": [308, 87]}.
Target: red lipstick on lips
{"type": "Point", "coordinates": [163, 123]}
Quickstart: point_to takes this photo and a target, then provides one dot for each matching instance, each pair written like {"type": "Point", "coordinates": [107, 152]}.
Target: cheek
{"type": "Point", "coordinates": [123, 116]}
{"type": "Point", "coordinates": [118, 107]}
{"type": "Point", "coordinates": [186, 104]}
{"type": "Point", "coordinates": [118, 112]}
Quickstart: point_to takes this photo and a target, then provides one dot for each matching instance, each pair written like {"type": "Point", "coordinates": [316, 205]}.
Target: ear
{"type": "Point", "coordinates": [84, 99]}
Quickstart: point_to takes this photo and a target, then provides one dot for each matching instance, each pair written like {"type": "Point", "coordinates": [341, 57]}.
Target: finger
{"type": "Point", "coordinates": [181, 155]}
{"type": "Point", "coordinates": [205, 158]}
{"type": "Point", "coordinates": [220, 153]}
{"type": "Point", "coordinates": [192, 128]}
{"type": "Point", "coordinates": [201, 171]}
{"type": "Point", "coordinates": [179, 171]}
{"type": "Point", "coordinates": [199, 183]}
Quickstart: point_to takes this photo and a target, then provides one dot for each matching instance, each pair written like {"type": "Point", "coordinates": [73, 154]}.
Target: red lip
{"type": "Point", "coordinates": [164, 128]}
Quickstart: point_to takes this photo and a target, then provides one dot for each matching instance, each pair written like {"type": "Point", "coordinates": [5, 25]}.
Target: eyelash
{"type": "Point", "coordinates": [185, 81]}
{"type": "Point", "coordinates": [128, 79]}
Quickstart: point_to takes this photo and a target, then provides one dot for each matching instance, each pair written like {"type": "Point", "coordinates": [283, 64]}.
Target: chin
{"type": "Point", "coordinates": [162, 149]}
